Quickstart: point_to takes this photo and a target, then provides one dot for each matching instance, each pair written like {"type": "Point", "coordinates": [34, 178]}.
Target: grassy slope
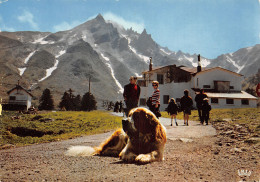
{"type": "Point", "coordinates": [54, 126]}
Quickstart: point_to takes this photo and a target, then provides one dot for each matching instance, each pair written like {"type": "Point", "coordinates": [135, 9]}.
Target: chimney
{"type": "Point", "coordinates": [199, 65]}
{"type": "Point", "coordinates": [151, 64]}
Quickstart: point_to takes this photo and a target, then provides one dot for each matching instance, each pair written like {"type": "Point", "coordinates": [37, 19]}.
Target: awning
{"type": "Point", "coordinates": [239, 95]}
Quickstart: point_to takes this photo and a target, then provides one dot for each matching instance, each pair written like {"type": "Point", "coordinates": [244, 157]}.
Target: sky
{"type": "Point", "coordinates": [206, 27]}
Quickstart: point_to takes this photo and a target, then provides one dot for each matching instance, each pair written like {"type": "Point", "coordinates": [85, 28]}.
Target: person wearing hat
{"type": "Point", "coordinates": [131, 94]}
{"type": "Point", "coordinates": [206, 107]}
{"type": "Point", "coordinates": [156, 99]}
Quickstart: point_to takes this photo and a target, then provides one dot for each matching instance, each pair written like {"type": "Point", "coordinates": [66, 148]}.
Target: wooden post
{"type": "Point", "coordinates": [89, 84]}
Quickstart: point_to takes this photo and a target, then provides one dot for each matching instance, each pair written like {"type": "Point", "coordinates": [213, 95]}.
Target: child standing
{"type": "Point", "coordinates": [206, 107]}
{"type": "Point", "coordinates": [172, 109]}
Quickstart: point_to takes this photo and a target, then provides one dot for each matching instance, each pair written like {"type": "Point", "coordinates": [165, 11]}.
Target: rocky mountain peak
{"type": "Point", "coordinates": [99, 17]}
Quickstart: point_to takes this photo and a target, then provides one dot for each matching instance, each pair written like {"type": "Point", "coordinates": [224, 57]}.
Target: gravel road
{"type": "Point", "coordinates": [192, 153]}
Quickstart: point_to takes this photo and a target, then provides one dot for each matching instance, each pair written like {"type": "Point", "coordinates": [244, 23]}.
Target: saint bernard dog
{"type": "Point", "coordinates": [141, 140]}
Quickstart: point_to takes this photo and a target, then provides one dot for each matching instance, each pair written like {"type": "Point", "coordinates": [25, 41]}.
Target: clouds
{"type": "Point", "coordinates": [28, 17]}
{"type": "Point", "coordinates": [3, 1]}
{"type": "Point", "coordinates": [65, 26]}
{"type": "Point", "coordinates": [139, 27]}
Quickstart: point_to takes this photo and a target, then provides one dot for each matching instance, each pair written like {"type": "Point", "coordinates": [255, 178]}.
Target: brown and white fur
{"type": "Point", "coordinates": [142, 140]}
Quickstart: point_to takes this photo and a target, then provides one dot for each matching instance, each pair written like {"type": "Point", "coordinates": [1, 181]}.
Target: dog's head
{"type": "Point", "coordinates": [140, 120]}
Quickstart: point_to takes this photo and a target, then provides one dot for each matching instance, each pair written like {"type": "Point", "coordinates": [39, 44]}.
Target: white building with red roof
{"type": "Point", "coordinates": [222, 86]}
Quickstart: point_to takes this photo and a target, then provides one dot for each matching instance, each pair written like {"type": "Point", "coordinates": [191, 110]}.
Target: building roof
{"type": "Point", "coordinates": [19, 87]}
{"type": "Point", "coordinates": [154, 69]}
{"type": "Point", "coordinates": [193, 70]}
{"type": "Point", "coordinates": [238, 95]}
{"type": "Point", "coordinates": [203, 70]}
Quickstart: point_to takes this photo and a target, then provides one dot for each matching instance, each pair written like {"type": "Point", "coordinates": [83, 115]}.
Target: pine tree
{"type": "Point", "coordinates": [77, 103]}
{"type": "Point", "coordinates": [46, 100]}
{"type": "Point", "coordinates": [88, 102]}
{"type": "Point", "coordinates": [65, 101]}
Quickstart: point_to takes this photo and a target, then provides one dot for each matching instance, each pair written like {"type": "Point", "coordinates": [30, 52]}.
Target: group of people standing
{"type": "Point", "coordinates": [132, 93]}
{"type": "Point", "coordinates": [186, 104]}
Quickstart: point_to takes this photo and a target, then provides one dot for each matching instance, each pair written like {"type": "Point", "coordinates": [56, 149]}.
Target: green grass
{"type": "Point", "coordinates": [250, 117]}
{"type": "Point", "coordinates": [53, 126]}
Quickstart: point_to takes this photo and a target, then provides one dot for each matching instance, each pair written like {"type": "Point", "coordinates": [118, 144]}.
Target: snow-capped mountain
{"type": "Point", "coordinates": [100, 51]}
{"type": "Point", "coordinates": [245, 61]}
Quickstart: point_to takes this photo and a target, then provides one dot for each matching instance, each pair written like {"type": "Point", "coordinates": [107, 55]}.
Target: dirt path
{"type": "Point", "coordinates": [192, 153]}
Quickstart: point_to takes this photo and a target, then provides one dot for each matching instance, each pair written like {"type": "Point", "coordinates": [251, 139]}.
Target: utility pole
{"type": "Point", "coordinates": [89, 84]}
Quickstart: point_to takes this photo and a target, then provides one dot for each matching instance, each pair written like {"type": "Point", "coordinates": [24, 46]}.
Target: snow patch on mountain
{"type": "Point", "coordinates": [21, 70]}
{"type": "Point", "coordinates": [234, 63]}
{"type": "Point", "coordinates": [28, 57]}
{"type": "Point", "coordinates": [204, 62]}
{"type": "Point", "coordinates": [105, 58]}
{"type": "Point", "coordinates": [108, 63]}
{"type": "Point", "coordinates": [242, 67]}
{"type": "Point", "coordinates": [61, 53]}
{"type": "Point", "coordinates": [165, 52]}
{"type": "Point", "coordinates": [144, 58]}
{"type": "Point", "coordinates": [50, 70]}
{"type": "Point", "coordinates": [41, 41]}
{"type": "Point", "coordinates": [190, 59]}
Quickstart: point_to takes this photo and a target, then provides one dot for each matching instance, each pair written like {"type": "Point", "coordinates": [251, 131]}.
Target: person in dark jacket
{"type": "Point", "coordinates": [172, 109]}
{"type": "Point", "coordinates": [116, 108]}
{"type": "Point", "coordinates": [199, 100]}
{"type": "Point", "coordinates": [149, 103]}
{"type": "Point", "coordinates": [131, 94]}
{"type": "Point", "coordinates": [206, 107]}
{"type": "Point", "coordinates": [186, 106]}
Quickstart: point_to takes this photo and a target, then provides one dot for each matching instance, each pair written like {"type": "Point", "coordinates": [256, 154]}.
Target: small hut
{"type": "Point", "coordinates": [19, 99]}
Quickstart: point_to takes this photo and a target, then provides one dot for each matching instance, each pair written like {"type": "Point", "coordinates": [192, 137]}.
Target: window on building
{"type": "Point", "coordinates": [231, 87]}
{"type": "Point", "coordinates": [245, 102]}
{"type": "Point", "coordinates": [142, 102]}
{"type": "Point", "coordinates": [222, 86]}
{"type": "Point", "coordinates": [214, 100]}
{"type": "Point", "coordinates": [160, 78]}
{"type": "Point", "coordinates": [12, 98]}
{"type": "Point", "coordinates": [206, 86]}
{"type": "Point", "coordinates": [166, 99]}
{"type": "Point", "coordinates": [229, 101]}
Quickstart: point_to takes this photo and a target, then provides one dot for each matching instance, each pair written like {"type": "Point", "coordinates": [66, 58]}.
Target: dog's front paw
{"type": "Point", "coordinates": [129, 157]}
{"type": "Point", "coordinates": [143, 158]}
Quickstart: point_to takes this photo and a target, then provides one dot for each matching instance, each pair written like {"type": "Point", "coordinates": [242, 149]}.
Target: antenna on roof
{"type": "Point", "coordinates": [151, 64]}
{"type": "Point", "coordinates": [199, 64]}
